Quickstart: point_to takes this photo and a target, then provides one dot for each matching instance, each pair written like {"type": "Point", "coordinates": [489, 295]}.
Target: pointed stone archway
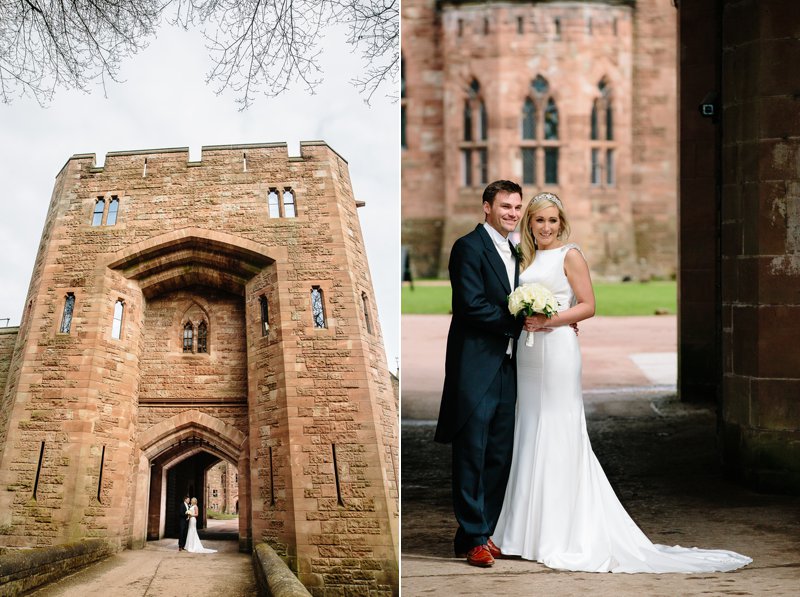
{"type": "Point", "coordinates": [175, 454]}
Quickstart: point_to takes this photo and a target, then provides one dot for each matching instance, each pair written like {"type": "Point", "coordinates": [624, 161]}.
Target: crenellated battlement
{"type": "Point", "coordinates": [236, 154]}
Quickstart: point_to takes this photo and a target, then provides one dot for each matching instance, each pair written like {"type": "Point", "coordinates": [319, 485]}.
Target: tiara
{"type": "Point", "coordinates": [550, 197]}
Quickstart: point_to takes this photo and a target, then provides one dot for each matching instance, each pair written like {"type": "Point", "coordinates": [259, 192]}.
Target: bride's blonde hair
{"type": "Point", "coordinates": [539, 202]}
{"type": "Point", "coordinates": [194, 501]}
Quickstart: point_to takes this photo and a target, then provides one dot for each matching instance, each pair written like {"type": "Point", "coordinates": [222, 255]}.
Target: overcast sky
{"type": "Point", "coordinates": [164, 102]}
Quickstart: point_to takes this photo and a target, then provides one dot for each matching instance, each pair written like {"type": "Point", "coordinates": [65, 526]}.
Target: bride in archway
{"type": "Point", "coordinates": [193, 544]}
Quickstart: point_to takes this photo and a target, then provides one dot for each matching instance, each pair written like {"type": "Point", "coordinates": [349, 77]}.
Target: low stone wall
{"type": "Point", "coordinates": [24, 569]}
{"type": "Point", "coordinates": [273, 576]}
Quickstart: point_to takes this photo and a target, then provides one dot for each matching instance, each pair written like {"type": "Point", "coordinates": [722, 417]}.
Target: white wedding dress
{"type": "Point", "coordinates": [559, 507]}
{"type": "Point", "coordinates": [192, 539]}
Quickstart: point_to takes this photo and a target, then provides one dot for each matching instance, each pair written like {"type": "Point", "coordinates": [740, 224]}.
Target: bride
{"type": "Point", "coordinates": [192, 539]}
{"type": "Point", "coordinates": [559, 508]}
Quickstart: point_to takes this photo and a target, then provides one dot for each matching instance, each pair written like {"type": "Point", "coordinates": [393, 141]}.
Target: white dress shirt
{"type": "Point", "coordinates": [504, 250]}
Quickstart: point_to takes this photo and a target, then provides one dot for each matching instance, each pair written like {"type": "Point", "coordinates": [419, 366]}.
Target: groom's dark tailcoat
{"type": "Point", "coordinates": [183, 524]}
{"type": "Point", "coordinates": [479, 396]}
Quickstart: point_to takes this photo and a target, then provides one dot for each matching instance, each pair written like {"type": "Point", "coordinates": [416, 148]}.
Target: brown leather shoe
{"type": "Point", "coordinates": [494, 550]}
{"type": "Point", "coordinates": [480, 556]}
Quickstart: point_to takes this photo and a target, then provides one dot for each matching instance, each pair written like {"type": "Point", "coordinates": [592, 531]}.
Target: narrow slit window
{"type": "Point", "coordinates": [99, 208]}
{"type": "Point", "coordinates": [100, 476]}
{"type": "Point", "coordinates": [365, 304]}
{"type": "Point", "coordinates": [188, 337]}
{"type": "Point", "coordinates": [339, 499]}
{"type": "Point", "coordinates": [318, 307]}
{"type": "Point", "coordinates": [274, 204]}
{"type": "Point", "coordinates": [288, 203]}
{"type": "Point", "coordinates": [244, 162]}
{"type": "Point", "coordinates": [144, 170]}
{"type": "Point", "coordinates": [113, 208]}
{"type": "Point", "coordinates": [609, 122]}
{"type": "Point", "coordinates": [116, 324]}
{"type": "Point", "coordinates": [264, 315]}
{"type": "Point", "coordinates": [484, 121]}
{"type": "Point", "coordinates": [66, 318]}
{"type": "Point", "coordinates": [520, 25]}
{"type": "Point", "coordinates": [271, 479]}
{"type": "Point", "coordinates": [38, 471]}
{"type": "Point", "coordinates": [486, 26]}
{"type": "Point", "coordinates": [594, 129]}
{"type": "Point", "coordinates": [202, 337]}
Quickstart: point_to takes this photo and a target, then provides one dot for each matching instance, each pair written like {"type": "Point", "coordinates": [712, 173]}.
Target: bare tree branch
{"type": "Point", "coordinates": [256, 46]}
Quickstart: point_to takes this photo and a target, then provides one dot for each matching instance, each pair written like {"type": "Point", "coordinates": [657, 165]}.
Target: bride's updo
{"type": "Point", "coordinates": [539, 202]}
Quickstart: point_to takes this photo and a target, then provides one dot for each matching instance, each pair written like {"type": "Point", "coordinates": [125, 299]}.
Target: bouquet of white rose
{"type": "Point", "coordinates": [532, 299]}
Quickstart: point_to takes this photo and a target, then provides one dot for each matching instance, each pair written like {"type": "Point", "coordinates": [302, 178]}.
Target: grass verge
{"type": "Point", "coordinates": [613, 298]}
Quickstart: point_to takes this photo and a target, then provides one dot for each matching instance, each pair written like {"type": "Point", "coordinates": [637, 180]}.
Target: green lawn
{"type": "Point", "coordinates": [624, 298]}
{"type": "Point", "coordinates": [220, 516]}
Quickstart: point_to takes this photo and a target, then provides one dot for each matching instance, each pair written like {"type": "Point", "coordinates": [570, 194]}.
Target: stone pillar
{"type": "Point", "coordinates": [761, 242]}
{"type": "Point", "coordinates": [699, 365]}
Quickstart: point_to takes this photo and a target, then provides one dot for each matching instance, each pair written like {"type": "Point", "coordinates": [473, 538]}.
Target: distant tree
{"type": "Point", "coordinates": [256, 46]}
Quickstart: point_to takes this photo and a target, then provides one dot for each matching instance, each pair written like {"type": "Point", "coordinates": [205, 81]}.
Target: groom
{"type": "Point", "coordinates": [183, 521]}
{"type": "Point", "coordinates": [479, 396]}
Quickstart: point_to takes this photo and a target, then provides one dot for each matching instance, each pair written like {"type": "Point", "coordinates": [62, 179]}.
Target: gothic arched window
{"type": "Point", "coordinates": [273, 204]}
{"type": "Point", "coordinates": [601, 138]}
{"type": "Point", "coordinates": [281, 204]}
{"type": "Point", "coordinates": [113, 207]}
{"type": "Point", "coordinates": [367, 319]}
{"type": "Point", "coordinates": [116, 324]}
{"type": "Point", "coordinates": [99, 209]}
{"type": "Point", "coordinates": [66, 316]}
{"type": "Point", "coordinates": [288, 203]}
{"type": "Point", "coordinates": [539, 101]}
{"type": "Point", "coordinates": [474, 153]}
{"type": "Point", "coordinates": [318, 307]}
{"type": "Point", "coordinates": [99, 215]}
{"type": "Point", "coordinates": [264, 305]}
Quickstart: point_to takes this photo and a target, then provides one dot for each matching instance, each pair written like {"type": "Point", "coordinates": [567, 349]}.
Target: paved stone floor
{"type": "Point", "coordinates": [662, 462]}
{"type": "Point", "coordinates": [659, 454]}
{"type": "Point", "coordinates": [160, 570]}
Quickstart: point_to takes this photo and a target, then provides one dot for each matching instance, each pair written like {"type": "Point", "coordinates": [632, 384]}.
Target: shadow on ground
{"type": "Point", "coordinates": [662, 461]}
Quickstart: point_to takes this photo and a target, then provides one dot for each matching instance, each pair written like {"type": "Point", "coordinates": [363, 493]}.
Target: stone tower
{"type": "Point", "coordinates": [185, 313]}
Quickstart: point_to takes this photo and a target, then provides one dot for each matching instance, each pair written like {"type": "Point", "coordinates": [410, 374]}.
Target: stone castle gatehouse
{"type": "Point", "coordinates": [185, 313]}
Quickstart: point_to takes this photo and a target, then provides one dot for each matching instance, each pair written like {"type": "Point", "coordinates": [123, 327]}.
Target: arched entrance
{"type": "Point", "coordinates": [175, 457]}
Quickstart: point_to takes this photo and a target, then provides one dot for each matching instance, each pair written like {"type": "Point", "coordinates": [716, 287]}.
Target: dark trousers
{"type": "Point", "coordinates": [482, 459]}
{"type": "Point", "coordinates": [184, 531]}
